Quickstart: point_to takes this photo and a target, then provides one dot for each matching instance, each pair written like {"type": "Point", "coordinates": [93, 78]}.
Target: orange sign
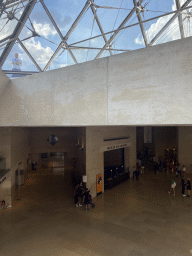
{"type": "Point", "coordinates": [99, 184]}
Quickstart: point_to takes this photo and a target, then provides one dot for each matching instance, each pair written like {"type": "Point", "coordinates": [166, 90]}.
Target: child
{"type": "Point", "coordinates": [173, 185]}
{"type": "Point", "coordinates": [188, 187]}
{"type": "Point", "coordinates": [3, 205]}
{"type": "Point", "coordinates": [87, 198]}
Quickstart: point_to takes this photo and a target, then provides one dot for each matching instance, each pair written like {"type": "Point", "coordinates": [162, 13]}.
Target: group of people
{"type": "Point", "coordinates": [183, 185]}
{"type": "Point", "coordinates": [82, 194]}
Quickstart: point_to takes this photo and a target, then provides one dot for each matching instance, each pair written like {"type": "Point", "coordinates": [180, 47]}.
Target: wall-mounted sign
{"type": "Point", "coordinates": [52, 139]}
{"type": "Point", "coordinates": [84, 178]}
{"type": "Point", "coordinates": [117, 146]}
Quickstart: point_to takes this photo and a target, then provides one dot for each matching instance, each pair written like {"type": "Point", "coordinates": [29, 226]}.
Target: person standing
{"type": "Point", "coordinates": [86, 199]}
{"type": "Point", "coordinates": [155, 167]}
{"type": "Point", "coordinates": [80, 193]}
{"type": "Point", "coordinates": [179, 170]}
{"type": "Point", "coordinates": [188, 187]}
{"type": "Point", "coordinates": [142, 168]}
{"type": "Point", "coordinates": [173, 185]}
{"type": "Point", "coordinates": [16, 62]}
{"type": "Point", "coordinates": [137, 173]}
{"type": "Point", "coordinates": [183, 186]}
{"type": "Point", "coordinates": [134, 172]}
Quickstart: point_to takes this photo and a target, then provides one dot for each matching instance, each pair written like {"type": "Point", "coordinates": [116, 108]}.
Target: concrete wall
{"type": "Point", "coordinates": [66, 143]}
{"type": "Point", "coordinates": [185, 146]}
{"type": "Point", "coordinates": [80, 154]}
{"type": "Point", "coordinates": [5, 145]}
{"type": "Point", "coordinates": [4, 80]}
{"type": "Point", "coordinates": [95, 158]}
{"type": "Point", "coordinates": [20, 148]}
{"type": "Point", "coordinates": [5, 151]}
{"type": "Point", "coordinates": [147, 86]}
{"type": "Point", "coordinates": [5, 189]}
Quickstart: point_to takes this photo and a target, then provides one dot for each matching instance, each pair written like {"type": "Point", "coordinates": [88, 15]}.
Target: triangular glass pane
{"type": "Point", "coordinates": [126, 39]}
{"type": "Point", "coordinates": [70, 60]}
{"type": "Point", "coordinates": [86, 28]}
{"type": "Point", "coordinates": [41, 50]}
{"type": "Point", "coordinates": [65, 13]}
{"type": "Point", "coordinates": [83, 55]}
{"type": "Point", "coordinates": [153, 27]}
{"type": "Point", "coordinates": [187, 25]}
{"type": "Point", "coordinates": [7, 27]}
{"type": "Point", "coordinates": [43, 25]}
{"type": "Point", "coordinates": [111, 18]}
{"type": "Point", "coordinates": [105, 54]}
{"type": "Point", "coordinates": [27, 64]}
{"type": "Point", "coordinates": [61, 60]}
{"type": "Point", "coordinates": [9, 19]}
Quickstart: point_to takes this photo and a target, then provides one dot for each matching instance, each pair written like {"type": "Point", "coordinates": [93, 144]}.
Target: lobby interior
{"type": "Point", "coordinates": [136, 217]}
{"type": "Point", "coordinates": [90, 108]}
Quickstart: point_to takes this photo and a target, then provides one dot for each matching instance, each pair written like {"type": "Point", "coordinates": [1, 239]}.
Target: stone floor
{"type": "Point", "coordinates": [135, 218]}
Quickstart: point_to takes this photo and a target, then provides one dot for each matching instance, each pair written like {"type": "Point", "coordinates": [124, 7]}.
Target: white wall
{"type": "Point", "coordinates": [95, 158]}
{"type": "Point", "coordinates": [5, 145]}
{"type": "Point", "coordinates": [185, 147]}
{"type": "Point", "coordinates": [148, 86]}
{"type": "Point", "coordinates": [4, 80]}
{"type": "Point", "coordinates": [66, 142]}
{"type": "Point", "coordinates": [20, 148]}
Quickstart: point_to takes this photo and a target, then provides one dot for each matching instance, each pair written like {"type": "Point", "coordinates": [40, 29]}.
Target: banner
{"type": "Point", "coordinates": [147, 134]}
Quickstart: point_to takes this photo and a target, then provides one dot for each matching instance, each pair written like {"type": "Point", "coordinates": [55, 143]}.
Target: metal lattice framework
{"type": "Point", "coordinates": [138, 9]}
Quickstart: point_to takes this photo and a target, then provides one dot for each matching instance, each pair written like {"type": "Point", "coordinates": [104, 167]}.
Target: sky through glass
{"type": "Point", "coordinates": [50, 34]}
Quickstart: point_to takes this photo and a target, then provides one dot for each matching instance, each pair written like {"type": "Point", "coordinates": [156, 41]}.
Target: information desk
{"type": "Point", "coordinates": [112, 182]}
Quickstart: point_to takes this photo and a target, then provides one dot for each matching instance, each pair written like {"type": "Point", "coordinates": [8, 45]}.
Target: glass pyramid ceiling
{"type": "Point", "coordinates": [50, 34]}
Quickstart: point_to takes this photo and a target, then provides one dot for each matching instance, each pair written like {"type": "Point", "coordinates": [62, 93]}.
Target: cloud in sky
{"type": "Point", "coordinates": [40, 54]}
{"type": "Point", "coordinates": [44, 29]}
{"type": "Point", "coordinates": [41, 17]}
{"type": "Point", "coordinates": [171, 33]}
{"type": "Point", "coordinates": [63, 65]}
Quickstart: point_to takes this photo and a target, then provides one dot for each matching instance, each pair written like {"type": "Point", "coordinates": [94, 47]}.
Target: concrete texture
{"type": "Point", "coordinates": [149, 86]}
{"type": "Point", "coordinates": [4, 80]}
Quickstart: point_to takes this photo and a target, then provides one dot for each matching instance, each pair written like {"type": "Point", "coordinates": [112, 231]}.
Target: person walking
{"type": "Point", "coordinates": [183, 186]}
{"type": "Point", "coordinates": [188, 187]}
{"type": "Point", "coordinates": [184, 170]}
{"type": "Point", "coordinates": [137, 173]}
{"type": "Point", "coordinates": [173, 185]}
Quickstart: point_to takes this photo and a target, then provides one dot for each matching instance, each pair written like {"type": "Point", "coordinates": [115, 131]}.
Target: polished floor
{"type": "Point", "coordinates": [135, 218]}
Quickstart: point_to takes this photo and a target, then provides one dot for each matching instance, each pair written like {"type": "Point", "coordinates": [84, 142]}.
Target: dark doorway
{"type": "Point", "coordinates": [113, 166]}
